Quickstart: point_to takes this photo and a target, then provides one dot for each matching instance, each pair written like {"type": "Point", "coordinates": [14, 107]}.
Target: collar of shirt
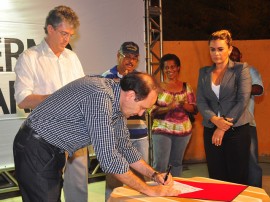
{"type": "Point", "coordinates": [48, 51]}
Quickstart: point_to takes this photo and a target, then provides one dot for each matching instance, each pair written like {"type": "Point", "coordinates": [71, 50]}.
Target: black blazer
{"type": "Point", "coordinates": [234, 94]}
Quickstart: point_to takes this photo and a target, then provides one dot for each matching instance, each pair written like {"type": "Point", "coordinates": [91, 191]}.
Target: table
{"type": "Point", "coordinates": [127, 194]}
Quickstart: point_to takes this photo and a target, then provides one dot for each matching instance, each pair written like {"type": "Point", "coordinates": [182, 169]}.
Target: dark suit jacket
{"type": "Point", "coordinates": [234, 94]}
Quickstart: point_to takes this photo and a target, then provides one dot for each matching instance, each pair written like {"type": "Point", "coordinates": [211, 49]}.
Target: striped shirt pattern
{"type": "Point", "coordinates": [84, 112]}
{"type": "Point", "coordinates": [136, 124]}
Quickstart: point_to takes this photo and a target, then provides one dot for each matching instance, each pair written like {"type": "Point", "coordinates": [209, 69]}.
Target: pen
{"type": "Point", "coordinates": [167, 173]}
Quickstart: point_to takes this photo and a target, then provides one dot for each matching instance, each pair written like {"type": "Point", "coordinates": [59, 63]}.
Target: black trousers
{"type": "Point", "coordinates": [228, 162]}
{"type": "Point", "coordinates": [38, 167]}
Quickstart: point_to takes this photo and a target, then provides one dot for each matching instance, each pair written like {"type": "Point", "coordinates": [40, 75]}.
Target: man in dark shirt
{"type": "Point", "coordinates": [90, 110]}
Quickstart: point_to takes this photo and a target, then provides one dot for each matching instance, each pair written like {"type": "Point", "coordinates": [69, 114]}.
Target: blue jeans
{"type": "Point", "coordinates": [142, 146]}
{"type": "Point", "coordinates": [255, 171]}
{"type": "Point", "coordinates": [169, 150]}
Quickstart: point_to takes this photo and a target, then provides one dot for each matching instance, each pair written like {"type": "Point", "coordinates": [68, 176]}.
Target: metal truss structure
{"type": "Point", "coordinates": [154, 37]}
{"type": "Point", "coordinates": [153, 28]}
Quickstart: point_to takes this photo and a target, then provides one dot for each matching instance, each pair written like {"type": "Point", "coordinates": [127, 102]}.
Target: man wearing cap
{"type": "Point", "coordinates": [128, 57]}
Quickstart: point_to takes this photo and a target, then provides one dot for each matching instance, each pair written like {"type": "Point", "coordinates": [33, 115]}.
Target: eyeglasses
{"type": "Point", "coordinates": [172, 67]}
{"type": "Point", "coordinates": [66, 35]}
{"type": "Point", "coordinates": [130, 57]}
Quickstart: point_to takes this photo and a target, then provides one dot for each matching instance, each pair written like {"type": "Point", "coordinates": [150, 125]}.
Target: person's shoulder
{"type": "Point", "coordinates": [32, 50]}
{"type": "Point", "coordinates": [238, 66]}
{"type": "Point", "coordinates": [104, 86]}
{"type": "Point", "coordinates": [111, 73]}
{"type": "Point", "coordinates": [252, 69]}
{"type": "Point", "coordinates": [205, 69]}
{"type": "Point", "coordinates": [99, 81]}
{"type": "Point", "coordinates": [106, 73]}
{"type": "Point", "coordinates": [30, 53]}
{"type": "Point", "coordinates": [70, 53]}
{"type": "Point", "coordinates": [187, 84]}
{"type": "Point", "coordinates": [255, 75]}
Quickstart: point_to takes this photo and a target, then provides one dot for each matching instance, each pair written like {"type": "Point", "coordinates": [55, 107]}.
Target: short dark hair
{"type": "Point", "coordinates": [61, 14]}
{"type": "Point", "coordinates": [141, 83]}
{"type": "Point", "coordinates": [222, 35]}
{"type": "Point", "coordinates": [167, 57]}
{"type": "Point", "coordinates": [235, 55]}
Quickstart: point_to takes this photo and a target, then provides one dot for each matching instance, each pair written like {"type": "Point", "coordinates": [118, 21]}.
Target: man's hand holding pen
{"type": "Point", "coordinates": [165, 184]}
{"type": "Point", "coordinates": [159, 178]}
{"type": "Point", "coordinates": [163, 178]}
{"type": "Point", "coordinates": [167, 173]}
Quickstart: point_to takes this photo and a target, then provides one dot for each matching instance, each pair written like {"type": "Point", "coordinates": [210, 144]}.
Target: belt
{"type": "Point", "coordinates": [138, 136]}
{"type": "Point", "coordinates": [31, 132]}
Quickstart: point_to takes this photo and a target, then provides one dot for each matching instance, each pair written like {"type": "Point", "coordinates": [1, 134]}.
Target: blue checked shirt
{"type": "Point", "coordinates": [84, 112]}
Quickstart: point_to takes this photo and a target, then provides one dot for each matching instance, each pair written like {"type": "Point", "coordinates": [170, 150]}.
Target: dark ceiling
{"type": "Point", "coordinates": [197, 19]}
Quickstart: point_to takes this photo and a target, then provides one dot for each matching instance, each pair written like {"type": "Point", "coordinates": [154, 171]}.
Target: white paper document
{"type": "Point", "coordinates": [184, 188]}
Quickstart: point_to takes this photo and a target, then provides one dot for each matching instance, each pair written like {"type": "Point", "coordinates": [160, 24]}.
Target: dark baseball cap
{"type": "Point", "coordinates": [129, 47]}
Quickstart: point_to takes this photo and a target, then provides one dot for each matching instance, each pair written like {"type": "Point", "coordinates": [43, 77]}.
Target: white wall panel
{"type": "Point", "coordinates": [105, 25]}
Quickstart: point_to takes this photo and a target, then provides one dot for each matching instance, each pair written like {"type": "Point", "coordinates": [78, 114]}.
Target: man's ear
{"type": "Point", "coordinates": [118, 55]}
{"type": "Point", "coordinates": [130, 95]}
{"type": "Point", "coordinates": [50, 28]}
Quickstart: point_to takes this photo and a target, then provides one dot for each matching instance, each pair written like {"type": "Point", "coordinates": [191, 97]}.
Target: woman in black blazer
{"type": "Point", "coordinates": [223, 93]}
